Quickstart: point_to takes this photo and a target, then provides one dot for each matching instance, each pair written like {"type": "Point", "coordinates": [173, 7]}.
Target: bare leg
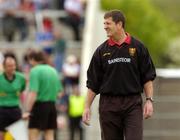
{"type": "Point", "coordinates": [1, 135]}
{"type": "Point", "coordinates": [34, 134]}
{"type": "Point", "coordinates": [49, 134]}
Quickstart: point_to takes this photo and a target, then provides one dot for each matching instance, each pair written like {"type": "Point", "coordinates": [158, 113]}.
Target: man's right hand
{"type": "Point", "coordinates": [86, 116]}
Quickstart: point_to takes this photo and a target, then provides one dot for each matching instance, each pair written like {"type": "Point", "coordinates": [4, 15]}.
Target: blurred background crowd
{"type": "Point", "coordinates": [55, 27]}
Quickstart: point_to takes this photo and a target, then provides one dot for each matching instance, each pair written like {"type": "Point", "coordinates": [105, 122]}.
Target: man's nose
{"type": "Point", "coordinates": [105, 27]}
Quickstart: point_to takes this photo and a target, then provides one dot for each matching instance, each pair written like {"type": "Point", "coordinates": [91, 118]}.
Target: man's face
{"type": "Point", "coordinates": [111, 27]}
{"type": "Point", "coordinates": [10, 66]}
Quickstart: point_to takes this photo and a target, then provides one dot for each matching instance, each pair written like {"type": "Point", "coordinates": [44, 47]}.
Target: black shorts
{"type": "Point", "coordinates": [43, 116]}
{"type": "Point", "coordinates": [8, 115]}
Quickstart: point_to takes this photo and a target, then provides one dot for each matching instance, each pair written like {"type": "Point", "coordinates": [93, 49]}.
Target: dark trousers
{"type": "Point", "coordinates": [75, 126]}
{"type": "Point", "coordinates": [121, 117]}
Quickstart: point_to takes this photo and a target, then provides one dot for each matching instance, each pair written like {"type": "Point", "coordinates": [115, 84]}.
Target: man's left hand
{"type": "Point", "coordinates": [148, 109]}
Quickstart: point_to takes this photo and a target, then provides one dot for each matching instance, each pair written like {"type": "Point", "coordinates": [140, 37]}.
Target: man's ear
{"type": "Point", "coordinates": [120, 24]}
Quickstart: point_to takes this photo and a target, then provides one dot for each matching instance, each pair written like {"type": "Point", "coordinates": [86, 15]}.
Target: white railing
{"type": "Point", "coordinates": [168, 73]}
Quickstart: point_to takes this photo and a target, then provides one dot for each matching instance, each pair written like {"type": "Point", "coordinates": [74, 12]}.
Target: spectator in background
{"type": "Point", "coordinates": [9, 26]}
{"type": "Point", "coordinates": [71, 71]}
{"type": "Point", "coordinates": [75, 111]}
{"type": "Point", "coordinates": [74, 8]}
{"type": "Point", "coordinates": [60, 4]}
{"type": "Point", "coordinates": [45, 37]}
{"type": "Point", "coordinates": [44, 87]}
{"type": "Point", "coordinates": [42, 4]}
{"type": "Point", "coordinates": [7, 13]}
{"type": "Point", "coordinates": [12, 84]}
{"type": "Point", "coordinates": [59, 50]}
{"type": "Point", "coordinates": [6, 5]}
{"type": "Point", "coordinates": [47, 24]}
{"type": "Point", "coordinates": [25, 7]}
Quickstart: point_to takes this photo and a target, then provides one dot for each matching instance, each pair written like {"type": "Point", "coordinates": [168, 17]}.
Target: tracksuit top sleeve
{"type": "Point", "coordinates": [146, 66]}
{"type": "Point", "coordinates": [95, 73]}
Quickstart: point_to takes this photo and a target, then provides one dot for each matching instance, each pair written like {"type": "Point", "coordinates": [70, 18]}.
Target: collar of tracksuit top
{"type": "Point", "coordinates": [127, 40]}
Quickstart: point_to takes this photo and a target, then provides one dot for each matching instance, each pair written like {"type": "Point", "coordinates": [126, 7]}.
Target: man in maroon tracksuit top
{"type": "Point", "coordinates": [120, 69]}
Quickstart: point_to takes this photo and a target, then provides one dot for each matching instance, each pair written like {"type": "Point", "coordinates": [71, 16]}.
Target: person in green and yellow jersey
{"type": "Point", "coordinates": [12, 83]}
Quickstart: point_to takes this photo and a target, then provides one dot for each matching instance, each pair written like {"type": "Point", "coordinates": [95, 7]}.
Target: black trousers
{"type": "Point", "coordinates": [76, 127]}
{"type": "Point", "coordinates": [121, 117]}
